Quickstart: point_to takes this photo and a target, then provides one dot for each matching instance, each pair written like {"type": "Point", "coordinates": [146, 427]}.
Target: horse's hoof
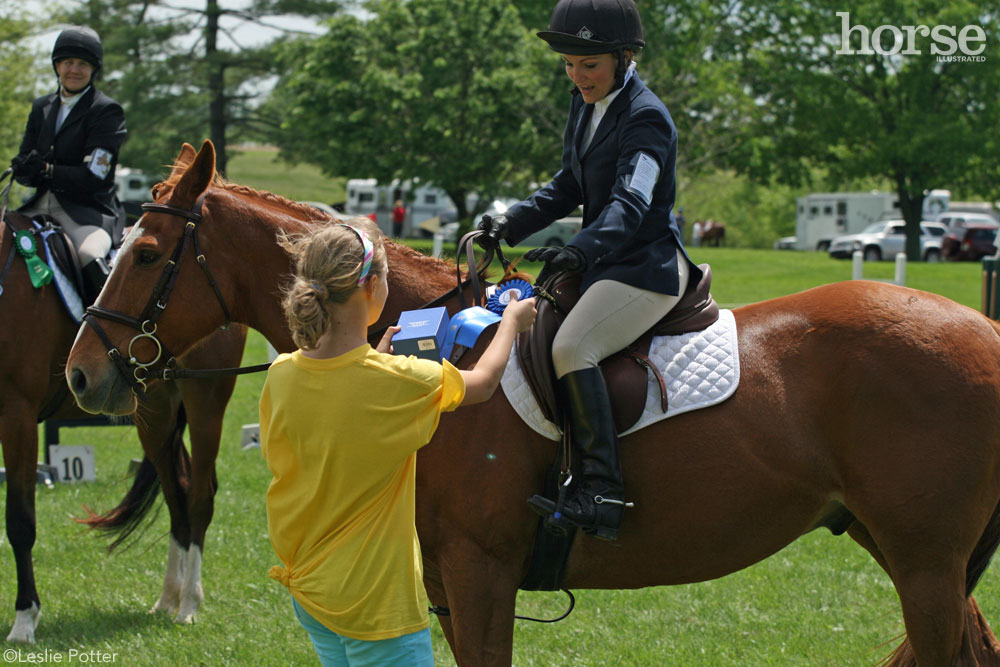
{"type": "Point", "coordinates": [25, 622]}
{"type": "Point", "coordinates": [184, 618]}
{"type": "Point", "coordinates": [167, 608]}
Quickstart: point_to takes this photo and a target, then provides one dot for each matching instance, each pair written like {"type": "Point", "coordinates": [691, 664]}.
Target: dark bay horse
{"type": "Point", "coordinates": [840, 421]}
{"type": "Point", "coordinates": [35, 338]}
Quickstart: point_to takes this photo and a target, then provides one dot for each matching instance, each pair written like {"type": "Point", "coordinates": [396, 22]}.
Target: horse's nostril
{"type": "Point", "coordinates": [78, 381]}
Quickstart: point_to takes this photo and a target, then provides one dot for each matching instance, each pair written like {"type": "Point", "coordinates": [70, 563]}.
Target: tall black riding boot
{"type": "Point", "coordinates": [95, 274]}
{"type": "Point", "coordinates": [598, 503]}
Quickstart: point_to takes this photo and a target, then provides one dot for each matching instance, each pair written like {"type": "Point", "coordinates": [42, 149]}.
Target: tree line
{"type": "Point", "coordinates": [462, 94]}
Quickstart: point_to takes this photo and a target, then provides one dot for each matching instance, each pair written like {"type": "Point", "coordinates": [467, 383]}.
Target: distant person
{"type": "Point", "coordinates": [398, 217]}
{"type": "Point", "coordinates": [681, 220]}
{"type": "Point", "coordinates": [618, 161]}
{"type": "Point", "coordinates": [697, 230]}
{"type": "Point", "coordinates": [340, 425]}
{"type": "Point", "coordinates": [69, 153]}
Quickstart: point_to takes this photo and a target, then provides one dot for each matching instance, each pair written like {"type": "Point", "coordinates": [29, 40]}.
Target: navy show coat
{"type": "Point", "coordinates": [625, 236]}
{"type": "Point", "coordinates": [95, 122]}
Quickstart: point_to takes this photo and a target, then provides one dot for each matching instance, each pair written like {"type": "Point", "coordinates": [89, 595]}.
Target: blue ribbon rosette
{"type": "Point", "coordinates": [501, 297]}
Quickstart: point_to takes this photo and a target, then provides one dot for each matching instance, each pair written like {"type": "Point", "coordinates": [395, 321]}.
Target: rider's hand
{"type": "Point", "coordinates": [494, 230]}
{"type": "Point", "coordinates": [566, 258]}
{"type": "Point", "coordinates": [385, 345]}
{"type": "Point", "coordinates": [521, 313]}
{"type": "Point", "coordinates": [30, 169]}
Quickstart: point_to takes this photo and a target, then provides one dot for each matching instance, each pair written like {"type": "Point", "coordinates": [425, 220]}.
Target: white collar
{"type": "Point", "coordinates": [70, 100]}
{"type": "Point", "coordinates": [601, 105]}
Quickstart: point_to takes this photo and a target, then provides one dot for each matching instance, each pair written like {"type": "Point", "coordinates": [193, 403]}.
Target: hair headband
{"type": "Point", "coordinates": [366, 262]}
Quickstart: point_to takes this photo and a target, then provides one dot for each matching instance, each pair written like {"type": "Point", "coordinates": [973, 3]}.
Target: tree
{"type": "Point", "coordinates": [19, 77]}
{"type": "Point", "coordinates": [451, 92]}
{"type": "Point", "coordinates": [896, 107]}
{"type": "Point", "coordinates": [686, 63]}
{"type": "Point", "coordinates": [183, 73]}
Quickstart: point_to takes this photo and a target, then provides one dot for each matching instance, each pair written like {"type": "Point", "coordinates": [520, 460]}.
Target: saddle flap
{"type": "Point", "coordinates": [62, 251]}
{"type": "Point", "coordinates": [625, 372]}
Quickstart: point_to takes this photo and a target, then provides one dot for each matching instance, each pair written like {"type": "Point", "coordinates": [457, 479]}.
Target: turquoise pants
{"type": "Point", "coordinates": [338, 651]}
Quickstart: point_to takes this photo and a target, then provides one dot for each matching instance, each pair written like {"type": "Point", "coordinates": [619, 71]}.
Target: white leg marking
{"type": "Point", "coordinates": [172, 580]}
{"type": "Point", "coordinates": [25, 622]}
{"type": "Point", "coordinates": [191, 592]}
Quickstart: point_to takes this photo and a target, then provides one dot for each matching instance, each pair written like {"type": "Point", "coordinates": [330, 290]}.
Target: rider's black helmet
{"type": "Point", "coordinates": [590, 27]}
{"type": "Point", "coordinates": [79, 42]}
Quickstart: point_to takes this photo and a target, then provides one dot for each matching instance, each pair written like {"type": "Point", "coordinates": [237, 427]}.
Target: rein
{"type": "Point", "coordinates": [136, 372]}
{"type": "Point", "coordinates": [3, 218]}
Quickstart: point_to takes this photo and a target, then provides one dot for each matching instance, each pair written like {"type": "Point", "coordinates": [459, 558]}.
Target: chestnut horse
{"type": "Point", "coordinates": [836, 423]}
{"type": "Point", "coordinates": [34, 341]}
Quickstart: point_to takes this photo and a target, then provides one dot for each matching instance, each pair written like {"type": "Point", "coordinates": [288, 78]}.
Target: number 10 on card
{"type": "Point", "coordinates": [73, 463]}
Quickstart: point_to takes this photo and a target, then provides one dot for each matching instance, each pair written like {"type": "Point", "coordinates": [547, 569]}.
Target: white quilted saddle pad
{"type": "Point", "coordinates": [700, 369]}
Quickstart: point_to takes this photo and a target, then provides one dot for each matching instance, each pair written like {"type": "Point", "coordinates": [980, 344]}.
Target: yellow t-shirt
{"type": "Point", "coordinates": [340, 436]}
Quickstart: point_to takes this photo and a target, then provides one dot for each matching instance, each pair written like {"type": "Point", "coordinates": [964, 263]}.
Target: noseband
{"type": "Point", "coordinates": [134, 371]}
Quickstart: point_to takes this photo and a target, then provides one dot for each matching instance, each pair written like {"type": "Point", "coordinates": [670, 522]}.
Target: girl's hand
{"type": "Point", "coordinates": [521, 313]}
{"type": "Point", "coordinates": [385, 345]}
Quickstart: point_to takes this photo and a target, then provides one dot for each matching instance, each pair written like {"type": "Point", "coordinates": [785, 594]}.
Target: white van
{"type": "Point", "coordinates": [366, 197]}
{"type": "Point", "coordinates": [133, 185]}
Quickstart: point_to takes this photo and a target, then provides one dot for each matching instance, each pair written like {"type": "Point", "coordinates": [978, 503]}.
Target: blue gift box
{"type": "Point", "coordinates": [422, 334]}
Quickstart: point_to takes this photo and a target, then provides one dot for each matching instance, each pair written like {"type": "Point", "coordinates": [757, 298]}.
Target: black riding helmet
{"type": "Point", "coordinates": [79, 42]}
{"type": "Point", "coordinates": [590, 27]}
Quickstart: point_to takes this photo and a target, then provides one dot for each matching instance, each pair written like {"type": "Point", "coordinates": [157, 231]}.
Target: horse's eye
{"type": "Point", "coordinates": [147, 257]}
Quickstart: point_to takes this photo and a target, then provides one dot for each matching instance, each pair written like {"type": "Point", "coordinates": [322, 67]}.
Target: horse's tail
{"type": "Point", "coordinates": [133, 509]}
{"type": "Point", "coordinates": [984, 644]}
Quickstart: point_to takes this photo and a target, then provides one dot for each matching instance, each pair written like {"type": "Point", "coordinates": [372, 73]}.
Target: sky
{"type": "Point", "coordinates": [243, 33]}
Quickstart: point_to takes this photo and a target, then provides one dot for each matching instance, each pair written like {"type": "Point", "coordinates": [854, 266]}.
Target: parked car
{"type": "Point", "coordinates": [957, 220]}
{"type": "Point", "coordinates": [557, 234]}
{"type": "Point", "coordinates": [786, 243]}
{"type": "Point", "coordinates": [886, 238]}
{"type": "Point", "coordinates": [972, 241]}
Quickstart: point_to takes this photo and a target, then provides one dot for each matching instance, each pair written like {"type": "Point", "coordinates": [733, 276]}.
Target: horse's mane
{"type": "Point", "coordinates": [305, 210]}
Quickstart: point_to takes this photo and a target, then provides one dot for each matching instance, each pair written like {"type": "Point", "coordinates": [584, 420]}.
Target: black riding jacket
{"type": "Point", "coordinates": [94, 126]}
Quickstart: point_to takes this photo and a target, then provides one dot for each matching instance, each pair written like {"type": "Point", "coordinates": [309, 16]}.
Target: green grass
{"type": "Point", "coordinates": [821, 601]}
{"type": "Point", "coordinates": [260, 168]}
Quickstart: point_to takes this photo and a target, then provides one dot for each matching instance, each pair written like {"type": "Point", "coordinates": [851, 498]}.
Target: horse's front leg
{"type": "Point", "coordinates": [161, 431]}
{"type": "Point", "coordinates": [482, 591]}
{"type": "Point", "coordinates": [205, 401]}
{"type": "Point", "coordinates": [19, 437]}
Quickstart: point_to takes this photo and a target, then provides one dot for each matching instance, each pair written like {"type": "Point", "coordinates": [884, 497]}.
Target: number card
{"type": "Point", "coordinates": [73, 463]}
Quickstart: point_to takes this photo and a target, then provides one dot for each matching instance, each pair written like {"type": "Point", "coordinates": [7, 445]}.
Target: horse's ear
{"type": "Point", "coordinates": [184, 158]}
{"type": "Point", "coordinates": [197, 177]}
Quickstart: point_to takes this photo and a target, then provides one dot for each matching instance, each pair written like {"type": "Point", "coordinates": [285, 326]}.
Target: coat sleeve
{"type": "Point", "coordinates": [29, 141]}
{"type": "Point", "coordinates": [647, 150]}
{"type": "Point", "coordinates": [106, 132]}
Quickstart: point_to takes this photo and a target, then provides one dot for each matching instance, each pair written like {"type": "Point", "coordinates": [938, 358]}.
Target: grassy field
{"type": "Point", "coordinates": [820, 601]}
{"type": "Point", "coordinates": [260, 168]}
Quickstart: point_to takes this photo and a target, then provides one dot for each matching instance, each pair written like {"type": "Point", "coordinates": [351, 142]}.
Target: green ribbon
{"type": "Point", "coordinates": [38, 270]}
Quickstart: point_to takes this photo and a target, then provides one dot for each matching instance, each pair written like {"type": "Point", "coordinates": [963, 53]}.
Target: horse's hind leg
{"type": "Point", "coordinates": [969, 616]}
{"type": "Point", "coordinates": [19, 437]}
{"type": "Point", "coordinates": [933, 601]}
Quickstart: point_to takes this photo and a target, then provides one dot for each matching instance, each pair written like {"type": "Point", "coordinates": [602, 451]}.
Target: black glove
{"type": "Point", "coordinates": [567, 258]}
{"type": "Point", "coordinates": [494, 230]}
{"type": "Point", "coordinates": [28, 170]}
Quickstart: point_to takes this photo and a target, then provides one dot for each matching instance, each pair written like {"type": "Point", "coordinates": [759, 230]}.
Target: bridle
{"type": "Point", "coordinates": [137, 372]}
